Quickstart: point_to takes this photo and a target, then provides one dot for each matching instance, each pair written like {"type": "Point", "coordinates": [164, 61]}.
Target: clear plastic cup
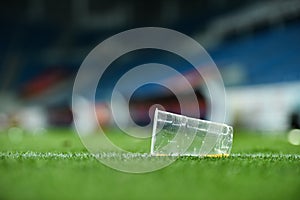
{"type": "Point", "coordinates": [178, 135]}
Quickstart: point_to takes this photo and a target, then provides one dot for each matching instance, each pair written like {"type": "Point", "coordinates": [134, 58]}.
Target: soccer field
{"type": "Point", "coordinates": [56, 165]}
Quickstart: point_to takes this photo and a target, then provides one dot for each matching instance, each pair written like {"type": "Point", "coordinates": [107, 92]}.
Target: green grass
{"type": "Point", "coordinates": [57, 166]}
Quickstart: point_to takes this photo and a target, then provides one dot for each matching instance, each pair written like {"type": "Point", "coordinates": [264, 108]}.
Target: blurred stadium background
{"type": "Point", "coordinates": [255, 45]}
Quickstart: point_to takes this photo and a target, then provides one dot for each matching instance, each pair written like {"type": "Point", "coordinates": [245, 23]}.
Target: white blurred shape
{"type": "Point", "coordinates": [32, 118]}
{"type": "Point", "coordinates": [294, 137]}
{"type": "Point", "coordinates": [120, 111]}
{"type": "Point", "coordinates": [84, 116]}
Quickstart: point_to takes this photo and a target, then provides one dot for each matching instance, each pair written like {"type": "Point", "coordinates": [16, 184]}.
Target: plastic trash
{"type": "Point", "coordinates": [178, 135]}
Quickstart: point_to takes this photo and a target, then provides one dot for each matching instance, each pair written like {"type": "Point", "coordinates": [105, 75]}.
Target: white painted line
{"type": "Point", "coordinates": [52, 155]}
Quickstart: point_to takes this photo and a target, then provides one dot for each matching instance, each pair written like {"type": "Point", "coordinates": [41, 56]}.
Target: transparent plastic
{"type": "Point", "coordinates": [178, 135]}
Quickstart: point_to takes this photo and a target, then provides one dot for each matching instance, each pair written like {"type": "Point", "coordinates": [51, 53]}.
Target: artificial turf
{"type": "Point", "coordinates": [55, 165]}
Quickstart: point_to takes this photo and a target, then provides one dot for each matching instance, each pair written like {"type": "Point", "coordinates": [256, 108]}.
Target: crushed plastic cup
{"type": "Point", "coordinates": [178, 135]}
